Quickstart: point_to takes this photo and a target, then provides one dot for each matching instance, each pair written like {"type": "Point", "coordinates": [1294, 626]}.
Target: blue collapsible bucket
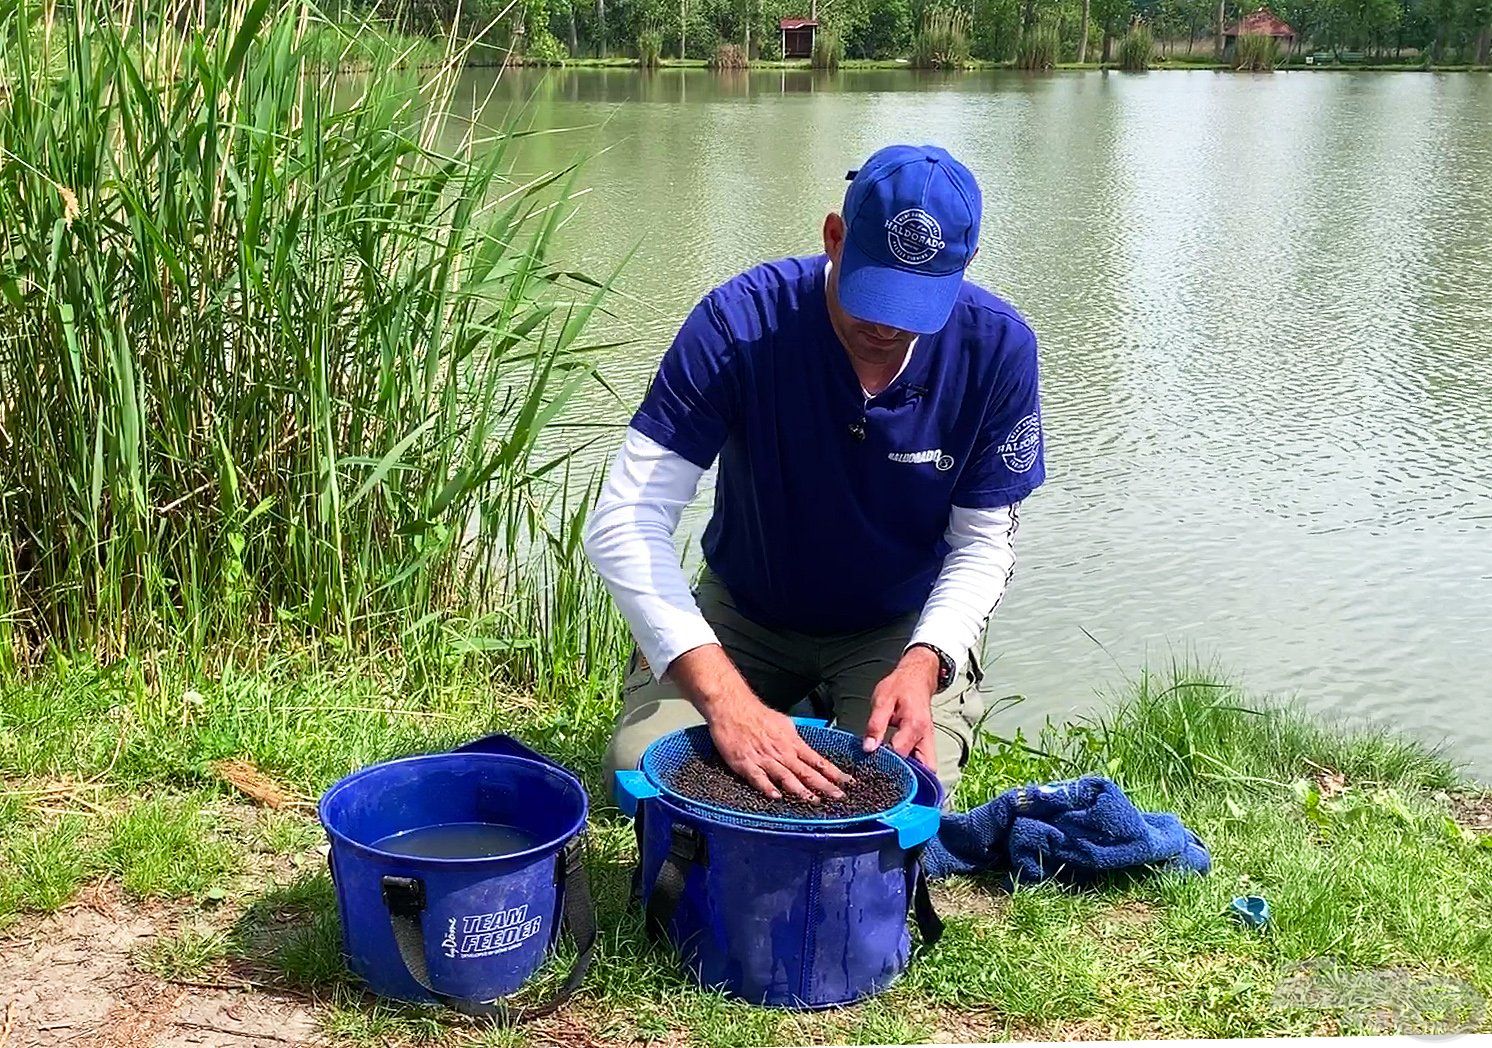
{"type": "Point", "coordinates": [779, 913]}
{"type": "Point", "coordinates": [463, 932]}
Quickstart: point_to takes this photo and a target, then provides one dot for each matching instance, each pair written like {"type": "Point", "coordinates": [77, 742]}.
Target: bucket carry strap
{"type": "Point", "coordinates": [686, 849]}
{"type": "Point", "coordinates": [405, 899]}
{"type": "Point", "coordinates": [929, 924]}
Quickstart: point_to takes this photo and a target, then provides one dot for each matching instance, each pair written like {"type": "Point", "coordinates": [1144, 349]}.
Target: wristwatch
{"type": "Point", "coordinates": [946, 665]}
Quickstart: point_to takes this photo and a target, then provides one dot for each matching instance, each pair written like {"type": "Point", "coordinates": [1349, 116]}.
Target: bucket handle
{"type": "Point", "coordinates": [405, 899]}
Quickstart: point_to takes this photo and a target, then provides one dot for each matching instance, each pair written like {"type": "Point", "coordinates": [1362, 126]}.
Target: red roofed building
{"type": "Point", "coordinates": [797, 37]}
{"type": "Point", "coordinates": [1262, 22]}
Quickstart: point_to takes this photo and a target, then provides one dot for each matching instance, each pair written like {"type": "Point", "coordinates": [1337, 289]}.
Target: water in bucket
{"type": "Point", "coordinates": [459, 840]}
{"type": "Point", "coordinates": [449, 870]}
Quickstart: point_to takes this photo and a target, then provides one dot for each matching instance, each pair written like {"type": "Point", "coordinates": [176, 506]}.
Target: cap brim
{"type": "Point", "coordinates": [918, 302]}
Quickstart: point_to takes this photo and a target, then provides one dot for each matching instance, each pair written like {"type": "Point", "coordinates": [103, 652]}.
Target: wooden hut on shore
{"type": "Point", "coordinates": [1262, 22]}
{"type": "Point", "coordinates": [797, 36]}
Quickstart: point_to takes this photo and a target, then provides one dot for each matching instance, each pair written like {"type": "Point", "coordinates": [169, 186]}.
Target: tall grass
{"type": "Point", "coordinates": [730, 56]}
{"type": "Point", "coordinates": [1038, 47]}
{"type": "Point", "coordinates": [275, 346]}
{"type": "Point", "coordinates": [828, 50]}
{"type": "Point", "coordinates": [1136, 50]}
{"type": "Point", "coordinates": [650, 49]}
{"type": "Point", "coordinates": [1255, 53]}
{"type": "Point", "coordinates": [943, 40]}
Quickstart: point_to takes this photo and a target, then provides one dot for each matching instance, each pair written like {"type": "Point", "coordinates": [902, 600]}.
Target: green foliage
{"type": "Point", "coordinates": [996, 28]}
{"type": "Point", "coordinates": [943, 40]}
{"type": "Point", "coordinates": [187, 954]}
{"type": "Point", "coordinates": [1039, 47]}
{"type": "Point", "coordinates": [42, 865]}
{"type": "Point", "coordinates": [650, 49]}
{"type": "Point", "coordinates": [874, 28]}
{"type": "Point", "coordinates": [828, 50]}
{"type": "Point", "coordinates": [1137, 50]}
{"type": "Point", "coordinates": [291, 377]}
{"type": "Point", "coordinates": [168, 847]}
{"type": "Point", "coordinates": [544, 48]}
{"type": "Point", "coordinates": [1255, 53]}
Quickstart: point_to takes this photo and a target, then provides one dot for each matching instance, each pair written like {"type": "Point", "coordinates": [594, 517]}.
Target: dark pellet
{"type": "Point", "coordinates": [710, 779]}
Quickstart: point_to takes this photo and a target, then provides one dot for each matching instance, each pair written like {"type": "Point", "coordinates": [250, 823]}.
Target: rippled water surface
{"type": "Point", "coordinates": [1266, 330]}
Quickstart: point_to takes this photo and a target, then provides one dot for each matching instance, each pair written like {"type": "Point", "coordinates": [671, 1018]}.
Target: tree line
{"type": "Point", "coordinates": [1439, 30]}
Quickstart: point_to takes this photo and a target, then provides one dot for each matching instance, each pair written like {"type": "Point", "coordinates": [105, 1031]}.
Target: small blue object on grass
{"type": "Point", "coordinates": [1076, 831]}
{"type": "Point", "coordinates": [1252, 911]}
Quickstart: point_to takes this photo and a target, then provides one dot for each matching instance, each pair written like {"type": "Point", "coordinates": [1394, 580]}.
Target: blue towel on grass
{"type": "Point", "coordinates": [1074, 831]}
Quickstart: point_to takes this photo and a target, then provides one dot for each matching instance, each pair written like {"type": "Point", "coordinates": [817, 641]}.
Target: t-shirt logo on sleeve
{"type": "Point", "coordinates": [915, 237]}
{"type": "Point", "coordinates": [943, 463]}
{"type": "Point", "coordinates": [1021, 449]}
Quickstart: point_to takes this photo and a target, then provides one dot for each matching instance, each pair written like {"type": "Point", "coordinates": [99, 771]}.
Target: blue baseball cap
{"type": "Point", "coordinates": [912, 218]}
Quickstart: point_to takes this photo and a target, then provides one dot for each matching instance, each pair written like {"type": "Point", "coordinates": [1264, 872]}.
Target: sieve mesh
{"type": "Point", "coordinates": [666, 757]}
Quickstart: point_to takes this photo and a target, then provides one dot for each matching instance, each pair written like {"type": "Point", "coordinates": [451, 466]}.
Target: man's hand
{"type": "Point", "coordinates": [903, 701]}
{"type": "Point", "coordinates": [764, 748]}
{"type": "Point", "coordinates": [758, 743]}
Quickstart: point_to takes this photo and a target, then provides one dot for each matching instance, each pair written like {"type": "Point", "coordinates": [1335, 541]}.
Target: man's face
{"type": "Point", "coordinates": [875, 343]}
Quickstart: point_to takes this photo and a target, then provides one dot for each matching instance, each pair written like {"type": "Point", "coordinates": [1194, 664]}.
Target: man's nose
{"type": "Point", "coordinates": [884, 333]}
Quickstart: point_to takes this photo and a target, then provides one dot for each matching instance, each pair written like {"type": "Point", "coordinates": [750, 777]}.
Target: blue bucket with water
{"type": "Point", "coordinates": [465, 930]}
{"type": "Point", "coordinates": [789, 913]}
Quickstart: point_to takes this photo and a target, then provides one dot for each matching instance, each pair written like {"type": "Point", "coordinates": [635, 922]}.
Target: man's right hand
{"type": "Point", "coordinates": [758, 743]}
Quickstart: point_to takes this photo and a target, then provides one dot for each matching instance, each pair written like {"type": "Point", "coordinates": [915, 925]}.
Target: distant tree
{"type": "Point", "coordinates": [1113, 17]}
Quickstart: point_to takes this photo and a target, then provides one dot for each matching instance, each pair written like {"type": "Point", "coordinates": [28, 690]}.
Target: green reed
{"type": "Point", "coordinates": [828, 50]}
{"type": "Point", "coordinates": [1255, 53]}
{"type": "Point", "coordinates": [1038, 47]}
{"type": "Point", "coordinates": [275, 345]}
{"type": "Point", "coordinates": [943, 40]}
{"type": "Point", "coordinates": [1136, 50]}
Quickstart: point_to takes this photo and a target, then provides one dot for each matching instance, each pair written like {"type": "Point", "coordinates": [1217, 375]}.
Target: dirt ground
{"type": "Point", "coordinates": [1473, 811]}
{"type": "Point", "coordinates": [68, 979]}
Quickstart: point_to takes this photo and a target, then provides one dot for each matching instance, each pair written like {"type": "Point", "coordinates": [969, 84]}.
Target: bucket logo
{"type": "Point", "coordinates": [1021, 449]}
{"type": "Point", "coordinates": [448, 944]}
{"type": "Point", "coordinates": [915, 236]}
{"type": "Point", "coordinates": [484, 934]}
{"type": "Point", "coordinates": [943, 463]}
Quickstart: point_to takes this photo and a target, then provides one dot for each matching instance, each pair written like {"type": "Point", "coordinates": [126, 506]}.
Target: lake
{"type": "Point", "coordinates": [1266, 332]}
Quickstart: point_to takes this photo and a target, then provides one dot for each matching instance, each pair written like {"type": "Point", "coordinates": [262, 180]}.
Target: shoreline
{"type": "Point", "coordinates": [870, 65]}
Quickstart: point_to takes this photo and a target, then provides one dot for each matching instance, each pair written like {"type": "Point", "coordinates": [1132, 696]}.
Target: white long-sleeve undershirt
{"type": "Point", "coordinates": [630, 541]}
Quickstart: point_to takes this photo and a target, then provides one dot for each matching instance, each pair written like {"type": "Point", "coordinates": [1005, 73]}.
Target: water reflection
{"type": "Point", "coordinates": [1264, 310]}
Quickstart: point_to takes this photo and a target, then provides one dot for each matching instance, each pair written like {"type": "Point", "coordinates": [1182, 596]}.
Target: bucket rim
{"type": "Point", "coordinates": [551, 846]}
{"type": "Point", "coordinates": [777, 823]}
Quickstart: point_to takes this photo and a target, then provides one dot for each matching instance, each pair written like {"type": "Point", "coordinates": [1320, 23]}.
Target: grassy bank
{"type": "Point", "coordinates": [114, 796]}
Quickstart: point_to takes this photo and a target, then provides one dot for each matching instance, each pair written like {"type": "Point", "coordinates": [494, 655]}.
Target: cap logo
{"type": "Point", "coordinates": [915, 237]}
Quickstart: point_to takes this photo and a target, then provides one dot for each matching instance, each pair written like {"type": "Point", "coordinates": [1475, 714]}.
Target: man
{"type": "Point", "coordinates": [876, 421]}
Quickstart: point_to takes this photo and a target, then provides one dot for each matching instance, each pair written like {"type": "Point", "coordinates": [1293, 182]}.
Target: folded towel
{"type": "Point", "coordinates": [1074, 831]}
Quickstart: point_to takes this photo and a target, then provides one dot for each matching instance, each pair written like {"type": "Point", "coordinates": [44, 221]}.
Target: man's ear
{"type": "Point", "coordinates": [833, 236]}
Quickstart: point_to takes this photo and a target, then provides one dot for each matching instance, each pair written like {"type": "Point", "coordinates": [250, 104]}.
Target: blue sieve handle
{"type": "Point", "coordinates": [915, 824]}
{"type": "Point", "coordinates": [811, 722]}
{"type": "Point", "coordinates": [632, 787]}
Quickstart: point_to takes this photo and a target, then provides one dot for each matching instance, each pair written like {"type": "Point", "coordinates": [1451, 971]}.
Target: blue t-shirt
{"type": "Point", "coordinates": [818, 529]}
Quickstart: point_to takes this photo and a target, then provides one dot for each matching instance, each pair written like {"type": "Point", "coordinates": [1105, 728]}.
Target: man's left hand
{"type": "Point", "coordinates": [903, 701]}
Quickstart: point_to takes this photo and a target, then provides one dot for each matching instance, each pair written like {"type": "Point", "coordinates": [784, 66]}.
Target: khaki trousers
{"type": "Point", "coordinates": [837, 673]}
